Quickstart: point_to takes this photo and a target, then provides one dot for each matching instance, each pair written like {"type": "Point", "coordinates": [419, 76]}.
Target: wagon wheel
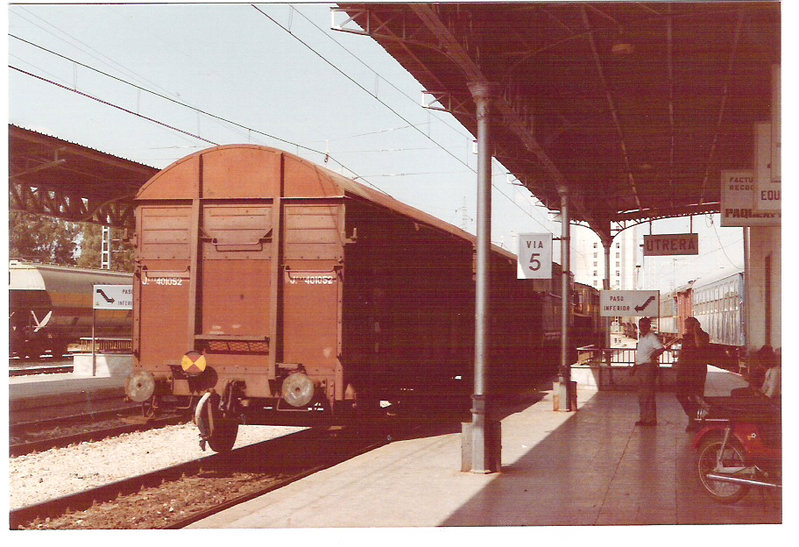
{"type": "Point", "coordinates": [220, 432]}
{"type": "Point", "coordinates": [223, 434]}
{"type": "Point", "coordinates": [30, 350]}
{"type": "Point", "coordinates": [59, 349]}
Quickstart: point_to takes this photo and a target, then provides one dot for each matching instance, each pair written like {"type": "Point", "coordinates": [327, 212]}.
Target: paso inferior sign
{"type": "Point", "coordinates": [113, 297]}
{"type": "Point", "coordinates": [629, 303]}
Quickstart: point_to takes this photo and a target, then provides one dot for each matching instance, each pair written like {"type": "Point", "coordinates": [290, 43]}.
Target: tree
{"type": "Point", "coordinates": [122, 256]}
{"type": "Point", "coordinates": [37, 238]}
{"type": "Point", "coordinates": [43, 239]}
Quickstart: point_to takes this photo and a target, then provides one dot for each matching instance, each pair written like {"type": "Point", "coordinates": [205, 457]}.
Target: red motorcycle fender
{"type": "Point", "coordinates": [712, 430]}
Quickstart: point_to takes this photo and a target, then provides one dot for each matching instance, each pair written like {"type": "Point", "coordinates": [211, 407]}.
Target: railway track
{"type": "Point", "coordinates": [62, 431]}
{"type": "Point", "coordinates": [177, 496]}
{"type": "Point", "coordinates": [41, 369]}
{"type": "Point", "coordinates": [40, 365]}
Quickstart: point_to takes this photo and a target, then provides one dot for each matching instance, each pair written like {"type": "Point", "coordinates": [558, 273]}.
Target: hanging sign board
{"type": "Point", "coordinates": [535, 256]}
{"type": "Point", "coordinates": [737, 201]}
{"type": "Point", "coordinates": [671, 244]}
{"type": "Point", "coordinates": [776, 126]}
{"type": "Point", "coordinates": [629, 303]}
{"type": "Point", "coordinates": [113, 297]}
{"type": "Point", "coordinates": [767, 189]}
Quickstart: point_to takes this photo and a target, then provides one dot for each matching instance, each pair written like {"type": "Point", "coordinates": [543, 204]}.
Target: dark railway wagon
{"type": "Point", "coordinates": [270, 290]}
{"type": "Point", "coordinates": [585, 320]}
{"type": "Point", "coordinates": [50, 307]}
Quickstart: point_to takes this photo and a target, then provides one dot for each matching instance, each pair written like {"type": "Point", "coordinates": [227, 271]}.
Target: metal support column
{"type": "Point", "coordinates": [567, 397]}
{"type": "Point", "coordinates": [606, 286]}
{"type": "Point", "coordinates": [484, 443]}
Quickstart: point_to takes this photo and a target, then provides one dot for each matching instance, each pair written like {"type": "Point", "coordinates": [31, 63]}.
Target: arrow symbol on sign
{"type": "Point", "coordinates": [101, 293]}
{"type": "Point", "coordinates": [645, 304]}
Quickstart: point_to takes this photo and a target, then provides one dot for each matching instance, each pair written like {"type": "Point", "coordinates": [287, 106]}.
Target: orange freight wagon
{"type": "Point", "coordinates": [270, 290]}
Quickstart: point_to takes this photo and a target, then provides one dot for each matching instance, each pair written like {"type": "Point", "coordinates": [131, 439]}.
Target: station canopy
{"type": "Point", "coordinates": [54, 177]}
{"type": "Point", "coordinates": [633, 108]}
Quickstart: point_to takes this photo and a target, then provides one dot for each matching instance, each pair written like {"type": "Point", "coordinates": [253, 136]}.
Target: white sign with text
{"type": "Point", "coordinates": [737, 201]}
{"type": "Point", "coordinates": [113, 297]}
{"type": "Point", "coordinates": [629, 303]}
{"type": "Point", "coordinates": [535, 256]}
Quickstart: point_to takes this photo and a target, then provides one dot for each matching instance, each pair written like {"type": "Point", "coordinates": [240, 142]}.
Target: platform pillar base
{"type": "Point", "coordinates": [492, 448]}
{"type": "Point", "coordinates": [564, 396]}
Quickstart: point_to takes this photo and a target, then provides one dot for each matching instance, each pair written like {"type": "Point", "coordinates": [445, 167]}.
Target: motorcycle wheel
{"type": "Point", "coordinates": [721, 491]}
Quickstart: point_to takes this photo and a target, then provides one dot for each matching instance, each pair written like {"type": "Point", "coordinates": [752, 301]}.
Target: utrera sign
{"type": "Point", "coordinates": [629, 303]}
{"type": "Point", "coordinates": [535, 256]}
{"type": "Point", "coordinates": [671, 244]}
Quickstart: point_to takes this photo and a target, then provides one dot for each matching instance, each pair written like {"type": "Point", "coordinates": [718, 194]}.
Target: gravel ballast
{"type": "Point", "coordinates": [38, 477]}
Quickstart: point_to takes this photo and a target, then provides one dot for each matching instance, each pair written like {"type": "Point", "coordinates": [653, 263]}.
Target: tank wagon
{"type": "Point", "coordinates": [51, 307]}
{"type": "Point", "coordinates": [269, 290]}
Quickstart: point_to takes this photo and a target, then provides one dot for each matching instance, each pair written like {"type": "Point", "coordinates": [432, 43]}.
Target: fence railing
{"type": "Point", "coordinates": [102, 345]}
{"type": "Point", "coordinates": [619, 357]}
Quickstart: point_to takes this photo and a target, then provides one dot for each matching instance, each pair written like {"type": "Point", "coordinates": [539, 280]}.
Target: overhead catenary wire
{"type": "Point", "coordinates": [231, 122]}
{"type": "Point", "coordinates": [392, 110]}
{"type": "Point", "coordinates": [721, 245]}
{"type": "Point", "coordinates": [165, 97]}
{"type": "Point", "coordinates": [112, 105]}
{"type": "Point", "coordinates": [377, 74]}
{"type": "Point", "coordinates": [71, 40]}
{"type": "Point", "coordinates": [170, 99]}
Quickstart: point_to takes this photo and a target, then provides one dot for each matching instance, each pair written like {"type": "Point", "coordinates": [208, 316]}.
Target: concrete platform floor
{"type": "Point", "coordinates": [590, 467]}
{"type": "Point", "coordinates": [36, 385]}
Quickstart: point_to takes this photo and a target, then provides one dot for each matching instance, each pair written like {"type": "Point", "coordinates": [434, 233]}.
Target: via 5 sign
{"type": "Point", "coordinates": [535, 256]}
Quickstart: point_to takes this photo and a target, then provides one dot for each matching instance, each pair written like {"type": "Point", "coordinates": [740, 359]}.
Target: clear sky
{"type": "Point", "coordinates": [190, 76]}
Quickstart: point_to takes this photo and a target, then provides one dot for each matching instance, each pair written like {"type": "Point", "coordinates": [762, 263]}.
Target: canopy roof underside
{"type": "Point", "coordinates": [634, 108]}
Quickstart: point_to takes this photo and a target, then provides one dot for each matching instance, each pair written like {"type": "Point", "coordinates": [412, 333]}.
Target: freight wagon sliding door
{"type": "Point", "coordinates": [233, 290]}
{"type": "Point", "coordinates": [161, 318]}
{"type": "Point", "coordinates": [311, 292]}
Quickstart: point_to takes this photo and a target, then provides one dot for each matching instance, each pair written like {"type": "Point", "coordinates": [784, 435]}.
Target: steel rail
{"type": "Point", "coordinates": [80, 501]}
{"type": "Point", "coordinates": [26, 447]}
{"type": "Point", "coordinates": [85, 499]}
{"type": "Point", "coordinates": [200, 515]}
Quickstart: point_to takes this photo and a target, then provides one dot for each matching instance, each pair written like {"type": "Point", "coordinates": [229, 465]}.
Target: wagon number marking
{"type": "Point", "coordinates": [163, 281]}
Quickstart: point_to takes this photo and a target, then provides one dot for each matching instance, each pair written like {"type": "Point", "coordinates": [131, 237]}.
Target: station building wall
{"type": "Point", "coordinates": [764, 288]}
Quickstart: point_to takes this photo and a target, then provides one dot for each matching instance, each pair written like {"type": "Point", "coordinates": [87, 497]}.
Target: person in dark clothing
{"type": "Point", "coordinates": [692, 369]}
{"type": "Point", "coordinates": [762, 361]}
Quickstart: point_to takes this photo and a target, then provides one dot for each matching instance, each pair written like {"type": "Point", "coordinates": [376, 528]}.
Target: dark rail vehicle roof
{"type": "Point", "coordinates": [256, 171]}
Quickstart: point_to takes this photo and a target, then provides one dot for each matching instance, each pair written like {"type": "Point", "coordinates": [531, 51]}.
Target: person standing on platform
{"type": "Point", "coordinates": [647, 352]}
{"type": "Point", "coordinates": [772, 384]}
{"type": "Point", "coordinates": [692, 369]}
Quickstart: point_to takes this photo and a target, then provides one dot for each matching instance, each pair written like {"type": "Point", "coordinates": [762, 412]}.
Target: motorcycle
{"type": "Point", "coordinates": [739, 446]}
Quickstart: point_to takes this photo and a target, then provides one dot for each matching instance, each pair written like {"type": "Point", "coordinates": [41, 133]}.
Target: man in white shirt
{"type": "Point", "coordinates": [647, 352]}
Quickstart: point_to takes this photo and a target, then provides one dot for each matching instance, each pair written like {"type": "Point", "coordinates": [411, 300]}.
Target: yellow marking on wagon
{"type": "Point", "coordinates": [193, 360]}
